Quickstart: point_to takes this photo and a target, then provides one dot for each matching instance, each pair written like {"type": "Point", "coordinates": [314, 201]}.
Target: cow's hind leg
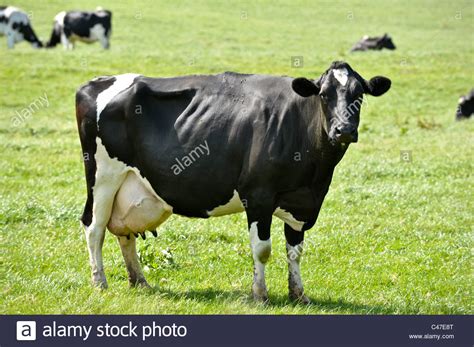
{"type": "Point", "coordinates": [95, 235]}
{"type": "Point", "coordinates": [104, 192]}
{"type": "Point", "coordinates": [129, 252]}
{"type": "Point", "coordinates": [294, 251]}
{"type": "Point", "coordinates": [109, 176]}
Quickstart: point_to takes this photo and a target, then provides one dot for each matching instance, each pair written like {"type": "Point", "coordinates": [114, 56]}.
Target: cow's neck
{"type": "Point", "coordinates": [326, 155]}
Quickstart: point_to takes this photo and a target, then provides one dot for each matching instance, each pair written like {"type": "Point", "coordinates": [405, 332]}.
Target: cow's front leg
{"type": "Point", "coordinates": [10, 39]}
{"type": "Point", "coordinates": [105, 42]}
{"type": "Point", "coordinates": [66, 42]}
{"type": "Point", "coordinates": [129, 252]}
{"type": "Point", "coordinates": [261, 245]}
{"type": "Point", "coordinates": [259, 218]}
{"type": "Point", "coordinates": [294, 251]}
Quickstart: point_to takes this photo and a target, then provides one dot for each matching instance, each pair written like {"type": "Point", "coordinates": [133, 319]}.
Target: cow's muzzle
{"type": "Point", "coordinates": [346, 135]}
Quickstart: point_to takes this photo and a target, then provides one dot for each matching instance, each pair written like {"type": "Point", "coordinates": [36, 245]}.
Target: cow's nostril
{"type": "Point", "coordinates": [338, 131]}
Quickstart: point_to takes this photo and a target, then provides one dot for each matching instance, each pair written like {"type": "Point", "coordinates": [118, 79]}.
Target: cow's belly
{"type": "Point", "coordinates": [85, 39]}
{"type": "Point", "coordinates": [97, 32]}
{"type": "Point", "coordinates": [136, 209]}
{"type": "Point", "coordinates": [233, 206]}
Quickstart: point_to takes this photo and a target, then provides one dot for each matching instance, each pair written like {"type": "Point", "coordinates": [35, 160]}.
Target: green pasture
{"type": "Point", "coordinates": [395, 234]}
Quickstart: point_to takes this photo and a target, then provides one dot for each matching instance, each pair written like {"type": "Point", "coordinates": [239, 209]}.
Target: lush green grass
{"type": "Point", "coordinates": [392, 237]}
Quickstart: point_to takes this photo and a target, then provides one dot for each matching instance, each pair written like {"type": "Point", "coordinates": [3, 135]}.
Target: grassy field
{"type": "Point", "coordinates": [392, 237]}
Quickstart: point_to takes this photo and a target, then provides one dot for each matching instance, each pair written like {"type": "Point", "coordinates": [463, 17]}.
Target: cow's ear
{"type": "Point", "coordinates": [304, 87]}
{"type": "Point", "coordinates": [377, 85]}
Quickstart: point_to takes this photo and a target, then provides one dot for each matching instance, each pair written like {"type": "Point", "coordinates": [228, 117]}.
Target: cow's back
{"type": "Point", "coordinates": [177, 131]}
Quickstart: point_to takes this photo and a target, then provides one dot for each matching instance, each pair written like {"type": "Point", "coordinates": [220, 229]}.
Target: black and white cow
{"type": "Point", "coordinates": [374, 43]}
{"type": "Point", "coordinates": [15, 25]}
{"type": "Point", "coordinates": [88, 27]}
{"type": "Point", "coordinates": [465, 106]}
{"type": "Point", "coordinates": [204, 146]}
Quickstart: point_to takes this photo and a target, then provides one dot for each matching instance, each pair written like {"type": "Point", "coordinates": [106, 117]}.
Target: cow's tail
{"type": "Point", "coordinates": [87, 127]}
{"type": "Point", "coordinates": [55, 36]}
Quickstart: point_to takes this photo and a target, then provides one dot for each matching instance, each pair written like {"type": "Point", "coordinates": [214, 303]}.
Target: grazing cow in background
{"type": "Point", "coordinates": [88, 27]}
{"type": "Point", "coordinates": [15, 25]}
{"type": "Point", "coordinates": [205, 146]}
{"type": "Point", "coordinates": [465, 106]}
{"type": "Point", "coordinates": [374, 43]}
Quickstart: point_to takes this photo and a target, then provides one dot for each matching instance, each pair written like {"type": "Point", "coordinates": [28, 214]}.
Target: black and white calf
{"type": "Point", "coordinates": [15, 25]}
{"type": "Point", "coordinates": [374, 43]}
{"type": "Point", "coordinates": [465, 106]}
{"type": "Point", "coordinates": [88, 27]}
{"type": "Point", "coordinates": [205, 146]}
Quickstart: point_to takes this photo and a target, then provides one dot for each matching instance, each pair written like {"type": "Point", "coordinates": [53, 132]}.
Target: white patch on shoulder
{"type": "Point", "coordinates": [15, 15]}
{"type": "Point", "coordinates": [233, 206]}
{"type": "Point", "coordinates": [341, 75]}
{"type": "Point", "coordinates": [121, 83]}
{"type": "Point", "coordinates": [9, 10]}
{"type": "Point", "coordinates": [288, 218]}
{"type": "Point", "coordinates": [59, 18]}
{"type": "Point", "coordinates": [12, 10]}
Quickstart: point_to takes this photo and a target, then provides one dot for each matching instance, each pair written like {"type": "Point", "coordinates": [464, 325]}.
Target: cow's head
{"type": "Point", "coordinates": [29, 35]}
{"type": "Point", "coordinates": [341, 91]}
{"type": "Point", "coordinates": [466, 106]}
{"type": "Point", "coordinates": [386, 42]}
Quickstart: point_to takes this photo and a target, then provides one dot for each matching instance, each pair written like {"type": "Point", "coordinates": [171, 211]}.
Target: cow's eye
{"type": "Point", "coordinates": [323, 97]}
